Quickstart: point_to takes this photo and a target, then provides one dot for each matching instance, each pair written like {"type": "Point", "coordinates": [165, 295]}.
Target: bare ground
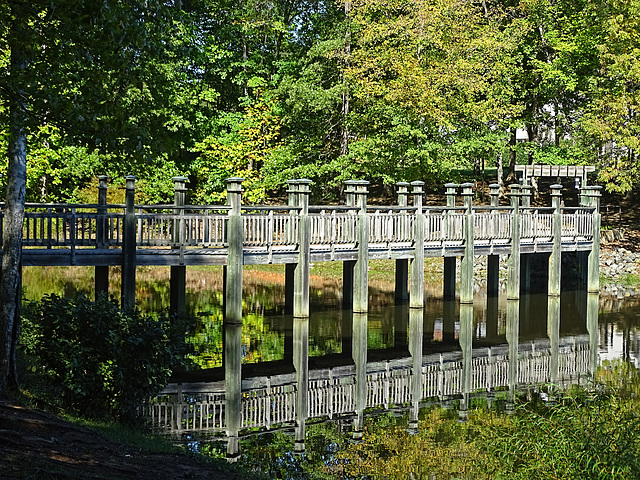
{"type": "Point", "coordinates": [36, 445]}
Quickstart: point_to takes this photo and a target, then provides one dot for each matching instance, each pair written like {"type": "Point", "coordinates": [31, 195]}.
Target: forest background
{"type": "Point", "coordinates": [269, 90]}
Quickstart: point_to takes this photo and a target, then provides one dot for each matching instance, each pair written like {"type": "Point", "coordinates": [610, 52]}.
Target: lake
{"type": "Point", "coordinates": [267, 330]}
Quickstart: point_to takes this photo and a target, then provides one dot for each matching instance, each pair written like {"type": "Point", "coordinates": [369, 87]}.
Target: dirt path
{"type": "Point", "coordinates": [35, 445]}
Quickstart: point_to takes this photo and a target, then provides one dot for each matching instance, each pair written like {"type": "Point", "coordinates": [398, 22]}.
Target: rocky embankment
{"type": "Point", "coordinates": [621, 271]}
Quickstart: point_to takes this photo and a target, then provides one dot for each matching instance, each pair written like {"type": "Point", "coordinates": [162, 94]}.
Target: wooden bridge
{"type": "Point", "coordinates": [180, 235]}
{"type": "Point", "coordinates": [297, 234]}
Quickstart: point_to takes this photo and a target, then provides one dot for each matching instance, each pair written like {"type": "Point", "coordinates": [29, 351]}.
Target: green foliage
{"type": "Point", "coordinates": [584, 435]}
{"type": "Point", "coordinates": [103, 361]}
{"type": "Point", "coordinates": [243, 145]}
{"type": "Point", "coordinates": [331, 91]}
{"type": "Point", "coordinates": [427, 78]}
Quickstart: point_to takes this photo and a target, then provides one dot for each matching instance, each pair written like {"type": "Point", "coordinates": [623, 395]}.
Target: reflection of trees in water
{"type": "Point", "coordinates": [266, 325]}
{"type": "Point", "coordinates": [620, 328]}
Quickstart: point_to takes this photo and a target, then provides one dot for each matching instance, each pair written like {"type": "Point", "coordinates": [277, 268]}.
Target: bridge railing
{"type": "Point", "coordinates": [577, 223]}
{"type": "Point", "coordinates": [333, 225]}
{"type": "Point", "coordinates": [536, 224]}
{"type": "Point", "coordinates": [492, 223]}
{"type": "Point", "coordinates": [49, 225]}
{"type": "Point", "coordinates": [444, 225]}
{"type": "Point", "coordinates": [270, 227]}
{"type": "Point", "coordinates": [173, 226]}
{"type": "Point", "coordinates": [391, 225]}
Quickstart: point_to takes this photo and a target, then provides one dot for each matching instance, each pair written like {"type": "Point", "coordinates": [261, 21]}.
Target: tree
{"type": "Point", "coordinates": [421, 73]}
{"type": "Point", "coordinates": [97, 71]}
{"type": "Point", "coordinates": [611, 120]}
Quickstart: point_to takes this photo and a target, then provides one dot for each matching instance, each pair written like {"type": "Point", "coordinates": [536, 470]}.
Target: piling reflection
{"type": "Point", "coordinates": [513, 326]}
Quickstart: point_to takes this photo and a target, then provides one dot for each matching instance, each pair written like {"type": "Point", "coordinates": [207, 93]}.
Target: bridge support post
{"type": "Point", "coordinates": [301, 273]}
{"type": "Point", "coordinates": [402, 265]}
{"type": "Point", "coordinates": [525, 260]}
{"type": "Point", "coordinates": [359, 352]}
{"type": "Point", "coordinates": [513, 331]}
{"type": "Point", "coordinates": [416, 294]}
{"type": "Point", "coordinates": [513, 262]}
{"type": "Point", "coordinates": [232, 347]}
{"type": "Point", "coordinates": [466, 263]}
{"type": "Point", "coordinates": [553, 331]}
{"type": "Point", "coordinates": [594, 332]}
{"type": "Point", "coordinates": [290, 268]}
{"type": "Point", "coordinates": [178, 274]}
{"type": "Point", "coordinates": [348, 266]}
{"type": "Point", "coordinates": [493, 261]}
{"type": "Point", "coordinates": [466, 345]}
{"type": "Point", "coordinates": [361, 267]}
{"type": "Point", "coordinates": [128, 285]}
{"type": "Point", "coordinates": [301, 312]}
{"type": "Point", "coordinates": [102, 272]}
{"type": "Point", "coordinates": [593, 275]}
{"type": "Point", "coordinates": [449, 282]}
{"type": "Point", "coordinates": [555, 259]}
{"type": "Point", "coordinates": [301, 365]}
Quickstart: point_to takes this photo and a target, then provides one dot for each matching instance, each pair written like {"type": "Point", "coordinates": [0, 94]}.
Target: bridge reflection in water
{"type": "Point", "coordinates": [285, 394]}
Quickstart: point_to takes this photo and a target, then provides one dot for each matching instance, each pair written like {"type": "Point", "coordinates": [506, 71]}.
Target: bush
{"type": "Point", "coordinates": [102, 361]}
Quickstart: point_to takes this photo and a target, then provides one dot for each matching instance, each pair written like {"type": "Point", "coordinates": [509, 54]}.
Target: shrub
{"type": "Point", "coordinates": [102, 361]}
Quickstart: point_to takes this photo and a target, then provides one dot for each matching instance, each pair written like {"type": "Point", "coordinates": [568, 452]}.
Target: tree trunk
{"type": "Point", "coordinates": [512, 178]}
{"type": "Point", "coordinates": [344, 138]}
{"type": "Point", "coordinates": [10, 283]}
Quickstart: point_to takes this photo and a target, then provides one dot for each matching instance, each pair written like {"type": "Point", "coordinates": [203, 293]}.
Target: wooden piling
{"type": "Point", "coordinates": [178, 273]}
{"type": "Point", "coordinates": [593, 280]}
{"type": "Point", "coordinates": [416, 326]}
{"type": "Point", "coordinates": [402, 265]}
{"type": "Point", "coordinates": [449, 281]}
{"type": "Point", "coordinates": [416, 284]}
{"type": "Point", "coordinates": [493, 261]}
{"type": "Point", "coordinates": [102, 272]}
{"type": "Point", "coordinates": [466, 263]}
{"type": "Point", "coordinates": [128, 285]}
{"type": "Point", "coordinates": [290, 268]}
{"type": "Point", "coordinates": [555, 259]}
{"type": "Point", "coordinates": [593, 302]}
{"type": "Point", "coordinates": [553, 331]}
{"type": "Point", "coordinates": [232, 347]}
{"type": "Point", "coordinates": [466, 345]}
{"type": "Point", "coordinates": [513, 262]}
{"type": "Point", "coordinates": [513, 331]}
{"type": "Point", "coordinates": [359, 353]}
{"type": "Point", "coordinates": [301, 366]}
{"type": "Point", "coordinates": [361, 267]}
{"type": "Point", "coordinates": [301, 273]}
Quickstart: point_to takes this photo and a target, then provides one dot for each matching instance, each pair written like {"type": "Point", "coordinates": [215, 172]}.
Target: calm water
{"type": "Point", "coordinates": [265, 326]}
{"type": "Point", "coordinates": [266, 329]}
